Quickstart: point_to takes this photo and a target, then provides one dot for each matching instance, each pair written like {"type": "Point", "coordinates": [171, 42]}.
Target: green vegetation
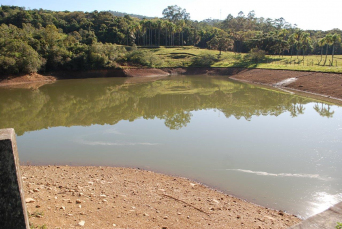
{"type": "Point", "coordinates": [33, 226]}
{"type": "Point", "coordinates": [339, 225]}
{"type": "Point", "coordinates": [43, 40]}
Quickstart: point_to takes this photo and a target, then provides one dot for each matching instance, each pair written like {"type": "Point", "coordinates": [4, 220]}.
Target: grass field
{"type": "Point", "coordinates": [184, 56]}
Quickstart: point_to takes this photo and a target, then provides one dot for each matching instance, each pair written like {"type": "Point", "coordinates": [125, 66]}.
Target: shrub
{"type": "Point", "coordinates": [256, 55]}
{"type": "Point", "coordinates": [204, 60]}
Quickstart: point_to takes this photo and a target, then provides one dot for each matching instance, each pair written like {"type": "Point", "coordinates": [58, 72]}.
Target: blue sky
{"type": "Point", "coordinates": [307, 14]}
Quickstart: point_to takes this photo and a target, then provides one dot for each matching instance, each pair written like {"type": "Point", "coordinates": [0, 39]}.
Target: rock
{"type": "Point", "coordinates": [192, 185]}
{"type": "Point", "coordinates": [62, 208]}
{"type": "Point", "coordinates": [36, 190]}
{"type": "Point", "coordinates": [80, 194]}
{"type": "Point", "coordinates": [145, 214]}
{"type": "Point", "coordinates": [78, 201]}
{"type": "Point", "coordinates": [29, 200]}
{"type": "Point", "coordinates": [179, 213]}
{"type": "Point", "coordinates": [37, 206]}
{"type": "Point", "coordinates": [103, 195]}
{"type": "Point", "coordinates": [165, 217]}
{"type": "Point", "coordinates": [114, 225]}
{"type": "Point", "coordinates": [79, 206]}
{"type": "Point", "coordinates": [81, 223]}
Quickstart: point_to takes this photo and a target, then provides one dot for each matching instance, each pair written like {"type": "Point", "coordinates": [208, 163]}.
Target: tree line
{"type": "Point", "coordinates": [44, 40]}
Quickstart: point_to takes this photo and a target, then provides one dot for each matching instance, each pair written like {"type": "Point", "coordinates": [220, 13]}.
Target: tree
{"type": "Point", "coordinates": [175, 13]}
{"type": "Point", "coordinates": [220, 42]}
{"type": "Point", "coordinates": [305, 41]}
{"type": "Point", "coordinates": [336, 39]}
{"type": "Point", "coordinates": [328, 41]}
{"type": "Point", "coordinates": [321, 43]}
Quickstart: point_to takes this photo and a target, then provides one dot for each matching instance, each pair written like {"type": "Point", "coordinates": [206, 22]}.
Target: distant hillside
{"type": "Point", "coordinates": [120, 14]}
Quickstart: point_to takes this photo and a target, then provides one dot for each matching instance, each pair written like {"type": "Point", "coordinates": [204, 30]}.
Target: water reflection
{"type": "Point", "coordinates": [107, 101]}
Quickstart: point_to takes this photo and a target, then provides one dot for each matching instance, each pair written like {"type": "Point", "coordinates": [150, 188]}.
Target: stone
{"type": "Point", "coordinates": [29, 200]}
{"type": "Point", "coordinates": [78, 201]}
{"type": "Point", "coordinates": [81, 223]}
{"type": "Point", "coordinates": [12, 200]}
{"type": "Point", "coordinates": [62, 208]}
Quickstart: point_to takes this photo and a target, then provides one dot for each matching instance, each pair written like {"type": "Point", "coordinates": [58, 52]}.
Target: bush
{"type": "Point", "coordinates": [144, 58]}
{"type": "Point", "coordinates": [204, 60]}
{"type": "Point", "coordinates": [256, 55]}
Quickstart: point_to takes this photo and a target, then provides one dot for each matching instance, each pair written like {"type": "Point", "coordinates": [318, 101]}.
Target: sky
{"type": "Point", "coordinates": [307, 14]}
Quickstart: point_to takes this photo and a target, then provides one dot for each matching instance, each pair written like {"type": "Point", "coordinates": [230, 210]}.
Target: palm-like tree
{"type": "Point", "coordinates": [321, 43]}
{"type": "Point", "coordinates": [305, 41]}
{"type": "Point", "coordinates": [336, 39]}
{"type": "Point", "coordinates": [292, 42]}
{"type": "Point", "coordinates": [297, 36]}
{"type": "Point", "coordinates": [328, 41]}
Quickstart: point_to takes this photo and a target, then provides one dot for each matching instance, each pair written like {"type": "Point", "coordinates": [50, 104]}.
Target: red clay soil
{"type": "Point", "coordinates": [23, 79]}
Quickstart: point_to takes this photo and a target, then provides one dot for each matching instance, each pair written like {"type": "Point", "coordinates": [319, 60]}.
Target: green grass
{"type": "Point", "coordinates": [183, 57]}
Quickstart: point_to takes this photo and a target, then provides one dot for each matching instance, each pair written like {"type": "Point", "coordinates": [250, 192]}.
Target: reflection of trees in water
{"type": "Point", "coordinates": [87, 102]}
{"type": "Point", "coordinates": [297, 109]}
{"type": "Point", "coordinates": [324, 110]}
{"type": "Point", "coordinates": [177, 121]}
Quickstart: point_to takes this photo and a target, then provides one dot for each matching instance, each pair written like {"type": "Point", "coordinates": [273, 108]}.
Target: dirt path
{"type": "Point", "coordinates": [107, 197]}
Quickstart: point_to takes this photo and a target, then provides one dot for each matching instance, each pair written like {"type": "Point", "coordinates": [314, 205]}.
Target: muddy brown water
{"type": "Point", "coordinates": [272, 148]}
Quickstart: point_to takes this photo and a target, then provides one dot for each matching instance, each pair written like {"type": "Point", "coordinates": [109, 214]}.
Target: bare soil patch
{"type": "Point", "coordinates": [36, 80]}
{"type": "Point", "coordinates": [108, 197]}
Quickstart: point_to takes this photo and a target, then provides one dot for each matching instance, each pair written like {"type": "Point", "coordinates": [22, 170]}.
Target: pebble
{"type": "Point", "coordinates": [62, 208]}
{"type": "Point", "coordinates": [78, 201]}
{"type": "Point", "coordinates": [166, 217]}
{"type": "Point", "coordinates": [37, 206]}
{"type": "Point", "coordinates": [36, 190]}
{"type": "Point", "coordinates": [29, 200]}
{"type": "Point", "coordinates": [81, 223]}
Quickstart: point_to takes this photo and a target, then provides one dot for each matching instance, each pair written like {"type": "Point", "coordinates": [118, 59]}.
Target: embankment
{"type": "Point", "coordinates": [328, 85]}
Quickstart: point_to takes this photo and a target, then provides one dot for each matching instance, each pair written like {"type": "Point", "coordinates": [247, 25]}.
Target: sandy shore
{"type": "Point", "coordinates": [108, 197]}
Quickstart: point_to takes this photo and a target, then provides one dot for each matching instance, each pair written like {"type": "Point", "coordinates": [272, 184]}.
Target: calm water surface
{"type": "Point", "coordinates": [271, 148]}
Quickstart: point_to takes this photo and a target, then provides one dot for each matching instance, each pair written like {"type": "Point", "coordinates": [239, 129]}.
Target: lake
{"type": "Point", "coordinates": [269, 147]}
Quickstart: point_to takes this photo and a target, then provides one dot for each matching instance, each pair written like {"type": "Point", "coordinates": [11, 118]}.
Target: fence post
{"type": "Point", "coordinates": [13, 213]}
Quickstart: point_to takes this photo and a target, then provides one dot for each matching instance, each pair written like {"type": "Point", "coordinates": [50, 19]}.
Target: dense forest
{"type": "Point", "coordinates": [43, 40]}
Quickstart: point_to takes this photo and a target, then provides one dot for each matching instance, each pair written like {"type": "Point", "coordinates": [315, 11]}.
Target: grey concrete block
{"type": "Point", "coordinates": [325, 220]}
{"type": "Point", "coordinates": [13, 213]}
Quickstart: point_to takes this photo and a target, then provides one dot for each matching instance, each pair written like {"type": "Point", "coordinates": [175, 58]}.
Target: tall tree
{"type": "Point", "coordinates": [175, 13]}
{"type": "Point", "coordinates": [336, 39]}
{"type": "Point", "coordinates": [328, 41]}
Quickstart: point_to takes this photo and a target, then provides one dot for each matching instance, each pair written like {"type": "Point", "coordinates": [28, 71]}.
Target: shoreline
{"type": "Point", "coordinates": [114, 197]}
{"type": "Point", "coordinates": [326, 86]}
